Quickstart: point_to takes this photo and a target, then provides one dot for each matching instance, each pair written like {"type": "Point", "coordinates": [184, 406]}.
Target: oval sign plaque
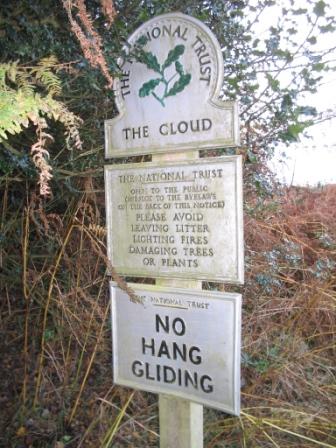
{"type": "Point", "coordinates": [168, 94]}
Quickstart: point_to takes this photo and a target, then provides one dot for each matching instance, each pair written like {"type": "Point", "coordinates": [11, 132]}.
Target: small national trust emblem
{"type": "Point", "coordinates": [171, 81]}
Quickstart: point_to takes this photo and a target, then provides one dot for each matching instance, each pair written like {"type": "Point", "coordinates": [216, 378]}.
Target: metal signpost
{"type": "Point", "coordinates": [177, 219]}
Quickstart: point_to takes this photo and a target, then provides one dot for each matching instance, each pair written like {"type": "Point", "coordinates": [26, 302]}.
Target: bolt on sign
{"type": "Point", "coordinates": [177, 220]}
{"type": "Point", "coordinates": [168, 93]}
{"type": "Point", "coordinates": [181, 342]}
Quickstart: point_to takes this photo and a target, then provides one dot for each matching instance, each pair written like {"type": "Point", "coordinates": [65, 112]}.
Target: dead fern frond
{"type": "Point", "coordinates": [90, 41]}
{"type": "Point", "coordinates": [27, 96]}
{"type": "Point", "coordinates": [108, 10]}
{"type": "Point", "coordinates": [40, 156]}
{"type": "Point", "coordinates": [99, 231]}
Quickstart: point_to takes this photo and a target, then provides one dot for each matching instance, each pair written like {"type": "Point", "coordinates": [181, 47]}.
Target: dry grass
{"type": "Point", "coordinates": [289, 323]}
{"type": "Point", "coordinates": [56, 386]}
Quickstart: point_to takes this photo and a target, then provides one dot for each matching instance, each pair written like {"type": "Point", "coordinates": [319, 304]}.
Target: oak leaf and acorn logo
{"type": "Point", "coordinates": [181, 79]}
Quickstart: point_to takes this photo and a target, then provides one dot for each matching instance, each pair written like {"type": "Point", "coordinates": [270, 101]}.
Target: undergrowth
{"type": "Point", "coordinates": [56, 382]}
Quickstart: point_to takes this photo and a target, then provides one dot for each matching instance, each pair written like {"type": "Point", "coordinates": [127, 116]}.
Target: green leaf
{"type": "Point", "coordinates": [180, 84]}
{"type": "Point", "coordinates": [292, 31]}
{"type": "Point", "coordinates": [49, 334]}
{"type": "Point", "coordinates": [318, 67]}
{"type": "Point", "coordinates": [307, 110]}
{"type": "Point", "coordinates": [319, 8]}
{"type": "Point", "coordinates": [294, 130]}
{"type": "Point", "coordinates": [251, 156]}
{"type": "Point", "coordinates": [149, 59]}
{"type": "Point", "coordinates": [327, 28]}
{"type": "Point", "coordinates": [148, 86]}
{"type": "Point", "coordinates": [299, 11]}
{"type": "Point", "coordinates": [274, 83]}
{"type": "Point", "coordinates": [312, 40]}
{"type": "Point", "coordinates": [173, 55]}
{"type": "Point", "coordinates": [285, 54]}
{"type": "Point", "coordinates": [286, 102]}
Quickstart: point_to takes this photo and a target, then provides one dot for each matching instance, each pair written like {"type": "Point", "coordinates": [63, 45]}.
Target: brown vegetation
{"type": "Point", "coordinates": [57, 387]}
{"type": "Point", "coordinates": [90, 41]}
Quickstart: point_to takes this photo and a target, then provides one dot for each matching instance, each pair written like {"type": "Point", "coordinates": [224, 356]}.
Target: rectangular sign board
{"type": "Point", "coordinates": [180, 342]}
{"type": "Point", "coordinates": [176, 219]}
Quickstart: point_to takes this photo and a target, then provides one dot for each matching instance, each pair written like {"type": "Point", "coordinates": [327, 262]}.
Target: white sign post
{"type": "Point", "coordinates": [177, 219]}
{"type": "Point", "coordinates": [181, 420]}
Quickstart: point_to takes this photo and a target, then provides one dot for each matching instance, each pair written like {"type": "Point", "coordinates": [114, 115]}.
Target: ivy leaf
{"type": "Point", "coordinates": [148, 86]}
{"type": "Point", "coordinates": [173, 55]}
{"type": "Point", "coordinates": [149, 59]}
{"type": "Point", "coordinates": [293, 131]}
{"type": "Point", "coordinates": [180, 84]}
